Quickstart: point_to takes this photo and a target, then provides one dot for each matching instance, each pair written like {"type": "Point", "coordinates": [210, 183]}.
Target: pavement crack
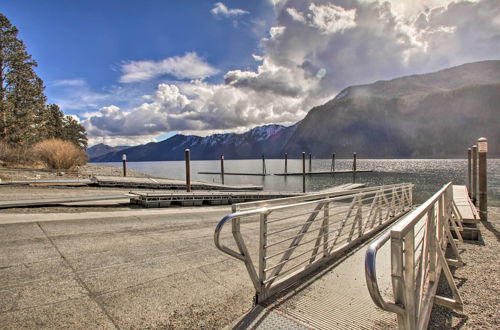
{"type": "Point", "coordinates": [90, 294]}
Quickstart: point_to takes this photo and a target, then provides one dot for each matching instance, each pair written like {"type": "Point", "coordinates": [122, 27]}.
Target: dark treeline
{"type": "Point", "coordinates": [25, 118]}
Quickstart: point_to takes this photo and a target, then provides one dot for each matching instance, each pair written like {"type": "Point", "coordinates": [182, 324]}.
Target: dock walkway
{"type": "Point", "coordinates": [323, 172]}
{"type": "Point", "coordinates": [161, 183]}
{"type": "Point", "coordinates": [162, 199]}
{"type": "Point", "coordinates": [134, 182]}
{"type": "Point", "coordinates": [336, 298]}
{"type": "Point", "coordinates": [60, 200]}
{"type": "Point", "coordinates": [465, 206]}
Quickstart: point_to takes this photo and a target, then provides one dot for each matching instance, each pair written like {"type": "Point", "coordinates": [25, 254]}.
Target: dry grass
{"type": "Point", "coordinates": [59, 154]}
{"type": "Point", "coordinates": [15, 155]}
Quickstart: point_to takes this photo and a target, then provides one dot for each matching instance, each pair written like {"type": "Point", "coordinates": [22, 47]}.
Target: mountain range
{"type": "Point", "coordinates": [436, 114]}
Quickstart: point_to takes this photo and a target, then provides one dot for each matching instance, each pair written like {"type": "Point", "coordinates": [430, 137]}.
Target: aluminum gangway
{"type": "Point", "coordinates": [418, 246]}
{"type": "Point", "coordinates": [286, 244]}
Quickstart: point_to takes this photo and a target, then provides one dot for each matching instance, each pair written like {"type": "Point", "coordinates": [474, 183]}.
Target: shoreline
{"type": "Point", "coordinates": [85, 171]}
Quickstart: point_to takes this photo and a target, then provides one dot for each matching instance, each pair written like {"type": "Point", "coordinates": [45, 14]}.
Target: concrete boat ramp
{"type": "Point", "coordinates": [164, 199]}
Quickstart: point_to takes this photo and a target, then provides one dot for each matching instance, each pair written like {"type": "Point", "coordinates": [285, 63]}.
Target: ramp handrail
{"type": "Point", "coordinates": [418, 243]}
{"type": "Point", "coordinates": [303, 198]}
{"type": "Point", "coordinates": [289, 247]}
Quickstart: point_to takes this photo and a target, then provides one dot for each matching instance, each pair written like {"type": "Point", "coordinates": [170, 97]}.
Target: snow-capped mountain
{"type": "Point", "coordinates": [268, 140]}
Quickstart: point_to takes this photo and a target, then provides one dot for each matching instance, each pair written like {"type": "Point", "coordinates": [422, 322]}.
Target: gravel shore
{"type": "Point", "coordinates": [478, 282]}
{"type": "Point", "coordinates": [85, 171]}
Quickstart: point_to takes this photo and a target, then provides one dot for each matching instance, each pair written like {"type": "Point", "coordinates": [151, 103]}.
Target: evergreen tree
{"type": "Point", "coordinates": [21, 90]}
{"type": "Point", "coordinates": [25, 119]}
{"type": "Point", "coordinates": [74, 132]}
{"type": "Point", "coordinates": [52, 122]}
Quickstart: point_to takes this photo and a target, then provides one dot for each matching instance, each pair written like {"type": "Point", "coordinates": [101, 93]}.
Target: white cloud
{"type": "Point", "coordinates": [121, 140]}
{"type": "Point", "coordinates": [189, 66]}
{"type": "Point", "coordinates": [221, 10]}
{"type": "Point", "coordinates": [76, 94]}
{"type": "Point", "coordinates": [327, 19]}
{"type": "Point", "coordinates": [276, 31]}
{"type": "Point", "coordinates": [69, 82]}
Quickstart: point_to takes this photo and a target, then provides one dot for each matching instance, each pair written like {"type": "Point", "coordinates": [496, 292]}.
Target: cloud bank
{"type": "Point", "coordinates": [314, 50]}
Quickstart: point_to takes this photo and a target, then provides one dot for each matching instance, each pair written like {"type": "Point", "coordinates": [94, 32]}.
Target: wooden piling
{"type": "Point", "coordinates": [188, 170]}
{"type": "Point", "coordinates": [222, 168]}
{"type": "Point", "coordinates": [482, 148]}
{"type": "Point", "coordinates": [354, 156]}
{"type": "Point", "coordinates": [332, 167]}
{"type": "Point", "coordinates": [474, 174]}
{"type": "Point", "coordinates": [303, 172]}
{"type": "Point", "coordinates": [286, 162]}
{"type": "Point", "coordinates": [310, 162]}
{"type": "Point", "coordinates": [469, 173]}
{"type": "Point", "coordinates": [124, 160]}
{"type": "Point", "coordinates": [263, 165]}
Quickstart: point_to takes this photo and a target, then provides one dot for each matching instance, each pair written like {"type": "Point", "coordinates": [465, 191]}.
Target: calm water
{"type": "Point", "coordinates": [428, 175]}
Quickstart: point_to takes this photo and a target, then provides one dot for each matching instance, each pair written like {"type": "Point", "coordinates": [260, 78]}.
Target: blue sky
{"type": "Point", "coordinates": [139, 71]}
{"type": "Point", "coordinates": [75, 40]}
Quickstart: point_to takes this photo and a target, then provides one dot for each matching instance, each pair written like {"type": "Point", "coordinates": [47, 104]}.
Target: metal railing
{"type": "Point", "coordinates": [304, 198]}
{"type": "Point", "coordinates": [290, 240]}
{"type": "Point", "coordinates": [417, 249]}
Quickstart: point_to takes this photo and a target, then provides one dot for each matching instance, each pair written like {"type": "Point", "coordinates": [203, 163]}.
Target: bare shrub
{"type": "Point", "coordinates": [14, 156]}
{"type": "Point", "coordinates": [59, 154]}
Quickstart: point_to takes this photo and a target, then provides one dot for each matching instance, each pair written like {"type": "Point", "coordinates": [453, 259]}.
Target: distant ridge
{"type": "Point", "coordinates": [102, 149]}
{"type": "Point", "coordinates": [436, 114]}
{"type": "Point", "coordinates": [268, 139]}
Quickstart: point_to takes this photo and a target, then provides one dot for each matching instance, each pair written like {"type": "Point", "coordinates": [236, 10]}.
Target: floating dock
{"type": "Point", "coordinates": [323, 172]}
{"type": "Point", "coordinates": [160, 183]}
{"type": "Point", "coordinates": [134, 182]}
{"type": "Point", "coordinates": [157, 199]}
{"type": "Point", "coordinates": [464, 205]}
{"type": "Point", "coordinates": [162, 199]}
{"type": "Point", "coordinates": [235, 173]}
{"type": "Point", "coordinates": [61, 200]}
{"type": "Point", "coordinates": [66, 182]}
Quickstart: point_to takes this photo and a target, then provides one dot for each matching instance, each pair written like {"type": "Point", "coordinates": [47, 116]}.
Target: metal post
{"type": "Point", "coordinates": [354, 167]}
{"type": "Point", "coordinates": [263, 165]}
{"type": "Point", "coordinates": [188, 171]}
{"type": "Point", "coordinates": [474, 174]}
{"type": "Point", "coordinates": [124, 160]}
{"type": "Point", "coordinates": [482, 146]}
{"type": "Point", "coordinates": [469, 174]}
{"type": "Point", "coordinates": [303, 172]}
{"type": "Point", "coordinates": [222, 168]}
{"type": "Point", "coordinates": [310, 162]}
{"type": "Point", "coordinates": [286, 162]}
{"type": "Point", "coordinates": [262, 254]}
{"type": "Point", "coordinates": [332, 168]}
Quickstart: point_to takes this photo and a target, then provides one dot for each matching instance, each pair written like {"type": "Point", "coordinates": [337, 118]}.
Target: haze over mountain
{"type": "Point", "coordinates": [430, 115]}
{"type": "Point", "coordinates": [102, 149]}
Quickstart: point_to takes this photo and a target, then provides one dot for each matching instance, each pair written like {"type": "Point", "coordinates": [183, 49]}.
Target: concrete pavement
{"type": "Point", "coordinates": [129, 270]}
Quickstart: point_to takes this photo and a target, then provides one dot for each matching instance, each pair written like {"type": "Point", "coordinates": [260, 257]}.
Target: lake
{"type": "Point", "coordinates": [428, 175]}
